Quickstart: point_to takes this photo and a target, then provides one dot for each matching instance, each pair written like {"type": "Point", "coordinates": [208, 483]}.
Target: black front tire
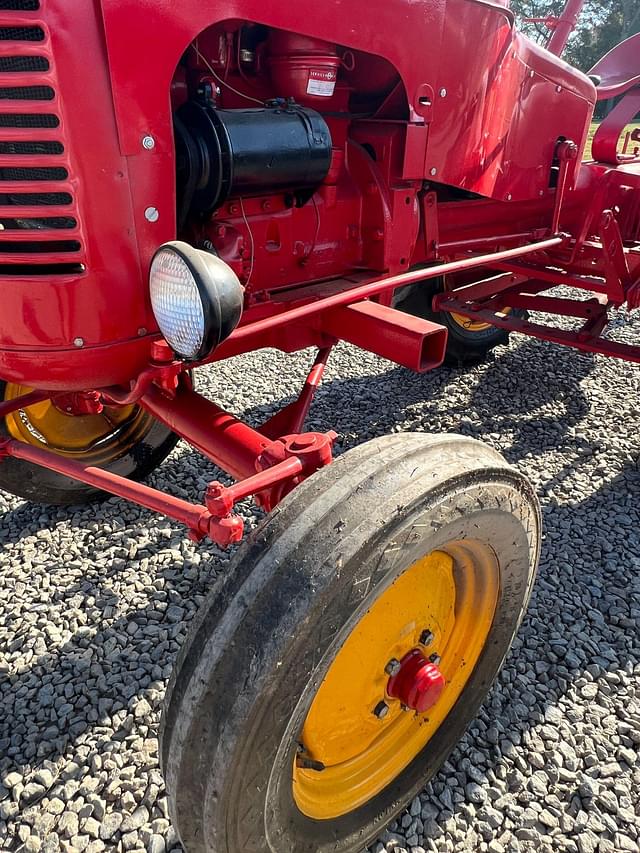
{"type": "Point", "coordinates": [263, 641]}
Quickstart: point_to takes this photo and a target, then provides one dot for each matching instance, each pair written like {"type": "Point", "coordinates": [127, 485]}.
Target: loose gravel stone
{"type": "Point", "coordinates": [110, 825]}
{"type": "Point", "coordinates": [135, 820]}
{"type": "Point", "coordinates": [95, 602]}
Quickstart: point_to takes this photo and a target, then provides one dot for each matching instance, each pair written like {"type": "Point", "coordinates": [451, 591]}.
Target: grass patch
{"type": "Point", "coordinates": [592, 133]}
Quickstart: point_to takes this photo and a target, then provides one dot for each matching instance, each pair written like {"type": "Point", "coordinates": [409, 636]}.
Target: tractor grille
{"type": "Point", "coordinates": [39, 224]}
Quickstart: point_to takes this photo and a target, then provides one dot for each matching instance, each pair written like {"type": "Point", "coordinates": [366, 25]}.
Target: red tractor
{"type": "Point", "coordinates": [187, 181]}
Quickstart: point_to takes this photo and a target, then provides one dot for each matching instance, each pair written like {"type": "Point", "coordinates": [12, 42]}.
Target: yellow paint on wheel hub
{"type": "Point", "coordinates": [362, 754]}
{"type": "Point", "coordinates": [96, 439]}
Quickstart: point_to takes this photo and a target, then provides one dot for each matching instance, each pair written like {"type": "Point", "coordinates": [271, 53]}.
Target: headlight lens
{"type": "Point", "coordinates": [176, 302]}
{"type": "Point", "coordinates": [196, 299]}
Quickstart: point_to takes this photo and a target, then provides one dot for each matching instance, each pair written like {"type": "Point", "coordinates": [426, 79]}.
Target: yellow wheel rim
{"type": "Point", "coordinates": [96, 439]}
{"type": "Point", "coordinates": [468, 324]}
{"type": "Point", "coordinates": [455, 601]}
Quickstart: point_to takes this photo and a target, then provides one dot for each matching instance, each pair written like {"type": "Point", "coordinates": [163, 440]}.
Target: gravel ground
{"type": "Point", "coordinates": [95, 602]}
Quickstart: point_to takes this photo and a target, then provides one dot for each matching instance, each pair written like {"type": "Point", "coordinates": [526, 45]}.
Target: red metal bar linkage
{"type": "Point", "coordinates": [265, 468]}
{"type": "Point", "coordinates": [607, 138]}
{"type": "Point", "coordinates": [305, 313]}
{"type": "Point", "coordinates": [567, 154]}
{"type": "Point", "coordinates": [562, 26]}
{"type": "Point", "coordinates": [197, 518]}
{"type": "Point", "coordinates": [586, 339]}
{"type": "Point", "coordinates": [10, 406]}
{"type": "Point", "coordinates": [291, 419]}
{"type": "Point", "coordinates": [285, 463]}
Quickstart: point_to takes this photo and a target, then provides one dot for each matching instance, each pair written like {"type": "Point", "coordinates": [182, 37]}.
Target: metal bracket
{"type": "Point", "coordinates": [567, 153]}
{"type": "Point", "coordinates": [617, 271]}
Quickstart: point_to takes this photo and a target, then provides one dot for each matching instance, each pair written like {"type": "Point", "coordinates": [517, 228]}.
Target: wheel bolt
{"type": "Point", "coordinates": [393, 667]}
{"type": "Point", "coordinates": [435, 659]}
{"type": "Point", "coordinates": [381, 710]}
{"type": "Point", "coordinates": [426, 638]}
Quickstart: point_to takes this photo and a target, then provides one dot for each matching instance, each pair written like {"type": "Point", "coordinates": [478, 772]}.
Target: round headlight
{"type": "Point", "coordinates": [196, 299]}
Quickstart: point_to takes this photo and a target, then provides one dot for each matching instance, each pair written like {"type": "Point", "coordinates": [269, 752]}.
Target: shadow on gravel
{"type": "Point", "coordinates": [108, 663]}
{"type": "Point", "coordinates": [579, 627]}
{"type": "Point", "coordinates": [508, 399]}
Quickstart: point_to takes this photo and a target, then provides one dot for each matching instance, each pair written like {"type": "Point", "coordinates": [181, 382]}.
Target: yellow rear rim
{"type": "Point", "coordinates": [454, 601]}
{"type": "Point", "coordinates": [97, 439]}
{"type": "Point", "coordinates": [468, 324]}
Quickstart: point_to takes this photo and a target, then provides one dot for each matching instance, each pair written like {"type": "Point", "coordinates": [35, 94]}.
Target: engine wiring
{"type": "Point", "coordinates": [253, 244]}
{"type": "Point", "coordinates": [224, 82]}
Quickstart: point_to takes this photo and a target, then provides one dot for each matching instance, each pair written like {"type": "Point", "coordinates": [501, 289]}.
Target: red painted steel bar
{"type": "Point", "coordinates": [557, 276]}
{"type": "Point", "coordinates": [566, 337]}
{"type": "Point", "coordinates": [564, 26]}
{"type": "Point", "coordinates": [607, 138]}
{"type": "Point", "coordinates": [557, 305]}
{"type": "Point", "coordinates": [290, 420]}
{"type": "Point", "coordinates": [23, 402]}
{"type": "Point", "coordinates": [487, 288]}
{"type": "Point", "coordinates": [480, 242]}
{"type": "Point", "coordinates": [410, 341]}
{"type": "Point", "coordinates": [195, 516]}
{"type": "Point", "coordinates": [231, 444]}
{"type": "Point", "coordinates": [221, 499]}
{"type": "Point", "coordinates": [373, 288]}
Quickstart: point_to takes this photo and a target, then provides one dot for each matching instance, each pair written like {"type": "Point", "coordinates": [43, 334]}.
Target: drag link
{"type": "Point", "coordinates": [199, 520]}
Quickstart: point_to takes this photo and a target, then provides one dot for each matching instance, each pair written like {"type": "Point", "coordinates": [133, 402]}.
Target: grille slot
{"type": "Point", "coordinates": [31, 174]}
{"type": "Point", "coordinates": [28, 120]}
{"type": "Point", "coordinates": [36, 224]}
{"type": "Point", "coordinates": [38, 246]}
{"type": "Point", "coordinates": [19, 5]}
{"type": "Point", "coordinates": [35, 199]}
{"type": "Point", "coordinates": [19, 148]}
{"type": "Point", "coordinates": [27, 93]}
{"type": "Point", "coordinates": [39, 229]}
{"type": "Point", "coordinates": [21, 34]}
{"type": "Point", "coordinates": [40, 270]}
{"type": "Point", "coordinates": [23, 64]}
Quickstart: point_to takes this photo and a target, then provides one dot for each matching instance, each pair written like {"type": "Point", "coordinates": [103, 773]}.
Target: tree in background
{"type": "Point", "coordinates": [603, 24]}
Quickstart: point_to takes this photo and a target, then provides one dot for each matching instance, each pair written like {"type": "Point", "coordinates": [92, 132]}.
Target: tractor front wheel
{"type": "Point", "coordinates": [343, 654]}
{"type": "Point", "coordinates": [125, 440]}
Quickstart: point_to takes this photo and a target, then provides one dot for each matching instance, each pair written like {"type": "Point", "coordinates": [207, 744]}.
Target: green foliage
{"type": "Point", "coordinates": [603, 24]}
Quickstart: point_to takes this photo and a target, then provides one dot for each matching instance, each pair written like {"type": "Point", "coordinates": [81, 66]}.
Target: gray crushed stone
{"type": "Point", "coordinates": [95, 602]}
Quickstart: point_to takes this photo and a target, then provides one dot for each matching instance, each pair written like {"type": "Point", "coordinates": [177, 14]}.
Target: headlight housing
{"type": "Point", "coordinates": [196, 299]}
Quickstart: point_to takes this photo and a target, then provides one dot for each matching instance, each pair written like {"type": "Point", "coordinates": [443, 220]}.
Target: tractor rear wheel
{"type": "Point", "coordinates": [341, 657]}
{"type": "Point", "coordinates": [469, 342]}
{"type": "Point", "coordinates": [125, 440]}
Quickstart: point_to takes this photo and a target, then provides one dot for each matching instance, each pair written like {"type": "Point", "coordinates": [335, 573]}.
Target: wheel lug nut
{"type": "Point", "coordinates": [426, 638]}
{"type": "Point", "coordinates": [393, 667]}
{"type": "Point", "coordinates": [381, 710]}
{"type": "Point", "coordinates": [435, 659]}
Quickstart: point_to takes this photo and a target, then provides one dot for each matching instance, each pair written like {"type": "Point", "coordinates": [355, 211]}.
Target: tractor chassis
{"type": "Point", "coordinates": [268, 462]}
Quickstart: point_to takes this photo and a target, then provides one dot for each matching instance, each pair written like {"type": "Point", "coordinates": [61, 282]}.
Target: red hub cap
{"type": "Point", "coordinates": [418, 684]}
